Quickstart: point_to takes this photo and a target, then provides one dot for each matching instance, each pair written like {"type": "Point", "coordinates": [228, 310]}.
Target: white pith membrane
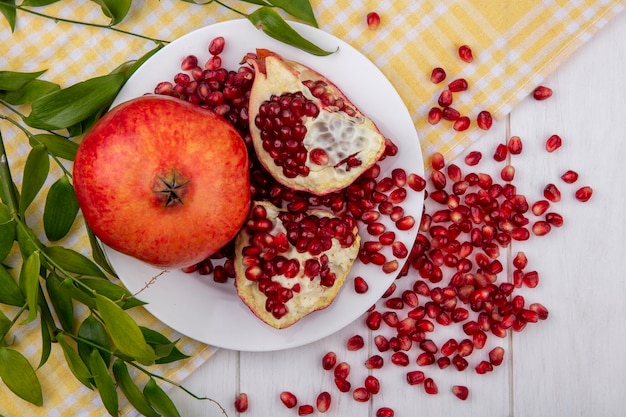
{"type": "Point", "coordinates": [312, 295]}
{"type": "Point", "coordinates": [340, 134]}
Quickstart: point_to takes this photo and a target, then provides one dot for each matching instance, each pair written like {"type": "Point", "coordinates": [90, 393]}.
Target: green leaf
{"type": "Point", "coordinates": [57, 145]}
{"type": "Point", "coordinates": [131, 391]}
{"type": "Point", "coordinates": [115, 9]}
{"type": "Point", "coordinates": [91, 329]}
{"type": "Point", "coordinates": [14, 81]}
{"type": "Point", "coordinates": [163, 347]}
{"type": "Point", "coordinates": [9, 13]}
{"type": "Point", "coordinates": [104, 382]}
{"type": "Point", "coordinates": [27, 241]}
{"type": "Point", "coordinates": [18, 374]}
{"type": "Point", "coordinates": [98, 254]}
{"type": "Point", "coordinates": [112, 291]}
{"type": "Point", "coordinates": [72, 261]}
{"type": "Point", "coordinates": [61, 300]}
{"type": "Point", "coordinates": [35, 174]}
{"type": "Point", "coordinates": [75, 363]}
{"type": "Point", "coordinates": [124, 331]}
{"type": "Point", "coordinates": [29, 281]}
{"type": "Point", "coordinates": [5, 324]}
{"type": "Point", "coordinates": [300, 9]}
{"type": "Point", "coordinates": [270, 22]}
{"type": "Point", "coordinates": [159, 399]}
{"type": "Point", "coordinates": [7, 231]}
{"type": "Point", "coordinates": [10, 292]}
{"type": "Point", "coordinates": [46, 344]}
{"type": "Point", "coordinates": [38, 3]}
{"type": "Point", "coordinates": [60, 209]}
{"type": "Point", "coordinates": [66, 107]}
{"type": "Point", "coordinates": [29, 92]}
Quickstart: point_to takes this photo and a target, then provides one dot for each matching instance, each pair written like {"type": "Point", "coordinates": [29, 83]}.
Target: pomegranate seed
{"type": "Point", "coordinates": [343, 385]}
{"type": "Point", "coordinates": [373, 20]}
{"type": "Point", "coordinates": [507, 173]}
{"type": "Point", "coordinates": [405, 223]}
{"type": "Point", "coordinates": [355, 343]}
{"type": "Point", "coordinates": [400, 359]}
{"type": "Point", "coordinates": [483, 367]}
{"type": "Point", "coordinates": [329, 360]}
{"type": "Point", "coordinates": [461, 124]}
{"type": "Point", "coordinates": [542, 312]}
{"type": "Point", "coordinates": [445, 98]}
{"type": "Point", "coordinates": [484, 120]}
{"type": "Point", "coordinates": [554, 219]}
{"type": "Point", "coordinates": [372, 384]}
{"type": "Point", "coordinates": [305, 410]}
{"type": "Point", "coordinates": [466, 347]}
{"type": "Point", "coordinates": [382, 343]}
{"type": "Point", "coordinates": [496, 356]}
{"type": "Point", "coordinates": [515, 145]}
{"type": "Point", "coordinates": [500, 153]}
{"type": "Point", "coordinates": [465, 53]}
{"type": "Point", "coordinates": [460, 391]}
{"type": "Point", "coordinates": [323, 401]}
{"type": "Point", "coordinates": [553, 143]}
{"type": "Point", "coordinates": [473, 158]}
{"type": "Point", "coordinates": [460, 84]}
{"type": "Point", "coordinates": [189, 62]}
{"type": "Point", "coordinates": [570, 177]}
{"type": "Point", "coordinates": [374, 362]}
{"type": "Point", "coordinates": [342, 370]}
{"type": "Point", "coordinates": [531, 279]}
{"type": "Point", "coordinates": [288, 399]}
{"type": "Point", "coordinates": [583, 194]}
{"type": "Point", "coordinates": [552, 193]}
{"type": "Point", "coordinates": [416, 182]}
{"type": "Point", "coordinates": [385, 412]}
{"type": "Point", "coordinates": [360, 394]}
{"type": "Point", "coordinates": [541, 93]}
{"type": "Point", "coordinates": [540, 207]}
{"type": "Point", "coordinates": [425, 359]}
{"type": "Point", "coordinates": [520, 261]}
{"type": "Point", "coordinates": [541, 228]}
{"type": "Point", "coordinates": [360, 286]}
{"type": "Point", "coordinates": [450, 113]}
{"type": "Point", "coordinates": [459, 363]}
{"type": "Point", "coordinates": [216, 46]}
{"type": "Point", "coordinates": [374, 320]}
{"type": "Point", "coordinates": [437, 75]}
{"type": "Point", "coordinates": [430, 386]}
{"type": "Point", "coordinates": [241, 402]}
{"type": "Point", "coordinates": [415, 377]}
{"type": "Point", "coordinates": [437, 161]}
{"type": "Point", "coordinates": [434, 115]}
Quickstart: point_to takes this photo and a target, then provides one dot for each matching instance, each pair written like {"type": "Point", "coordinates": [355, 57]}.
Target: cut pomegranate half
{"type": "Point", "coordinates": [305, 131]}
{"type": "Point", "coordinates": [290, 265]}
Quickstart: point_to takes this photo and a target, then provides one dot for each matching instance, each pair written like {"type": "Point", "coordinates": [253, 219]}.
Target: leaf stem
{"type": "Point", "coordinates": [77, 22]}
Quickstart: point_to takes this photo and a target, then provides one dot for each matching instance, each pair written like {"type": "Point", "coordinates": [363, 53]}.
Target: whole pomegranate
{"type": "Point", "coordinates": [163, 181]}
{"type": "Point", "coordinates": [305, 131]}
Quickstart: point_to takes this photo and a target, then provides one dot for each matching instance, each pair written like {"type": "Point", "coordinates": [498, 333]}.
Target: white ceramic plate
{"type": "Point", "coordinates": [212, 313]}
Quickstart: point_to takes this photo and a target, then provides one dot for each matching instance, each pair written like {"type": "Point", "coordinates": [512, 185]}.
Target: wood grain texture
{"type": "Point", "coordinates": [570, 365]}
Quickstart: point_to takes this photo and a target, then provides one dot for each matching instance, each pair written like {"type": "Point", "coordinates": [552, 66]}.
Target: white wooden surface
{"type": "Point", "coordinates": [573, 364]}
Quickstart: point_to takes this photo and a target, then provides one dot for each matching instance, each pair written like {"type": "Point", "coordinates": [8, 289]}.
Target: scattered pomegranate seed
{"type": "Point", "coordinates": [372, 384]}
{"type": "Point", "coordinates": [552, 193]}
{"type": "Point", "coordinates": [583, 194]}
{"type": "Point", "coordinates": [355, 342]}
{"type": "Point", "coordinates": [553, 143]}
{"type": "Point", "coordinates": [465, 53]}
{"type": "Point", "coordinates": [541, 93]}
{"type": "Point", "coordinates": [554, 219]}
{"type": "Point", "coordinates": [373, 20]}
{"type": "Point", "coordinates": [305, 410]}
{"type": "Point", "coordinates": [329, 360]}
{"type": "Point", "coordinates": [515, 145]}
{"type": "Point", "coordinates": [473, 158]}
{"type": "Point", "coordinates": [450, 113]}
{"type": "Point", "coordinates": [460, 392]}
{"type": "Point", "coordinates": [342, 370]}
{"type": "Point", "coordinates": [241, 402]}
{"type": "Point", "coordinates": [483, 367]}
{"type": "Point", "coordinates": [360, 285]}
{"type": "Point", "coordinates": [460, 84]}
{"type": "Point", "coordinates": [461, 124]}
{"type": "Point", "coordinates": [507, 173]}
{"type": "Point", "coordinates": [520, 261]}
{"type": "Point", "coordinates": [569, 176]}
{"type": "Point", "coordinates": [438, 75]}
{"type": "Point", "coordinates": [430, 386]}
{"type": "Point", "coordinates": [415, 377]}
{"type": "Point", "coordinates": [445, 98]}
{"type": "Point", "coordinates": [434, 115]}
{"type": "Point", "coordinates": [496, 356]}
{"type": "Point", "coordinates": [484, 120]}
{"type": "Point", "coordinates": [541, 228]}
{"type": "Point", "coordinates": [360, 394]}
{"type": "Point", "coordinates": [540, 207]}
{"type": "Point", "coordinates": [288, 399]}
{"type": "Point", "coordinates": [385, 412]}
{"type": "Point", "coordinates": [323, 401]}
{"type": "Point", "coordinates": [216, 46]}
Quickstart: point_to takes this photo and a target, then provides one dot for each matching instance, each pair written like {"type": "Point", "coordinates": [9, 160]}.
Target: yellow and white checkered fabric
{"type": "Point", "coordinates": [516, 44]}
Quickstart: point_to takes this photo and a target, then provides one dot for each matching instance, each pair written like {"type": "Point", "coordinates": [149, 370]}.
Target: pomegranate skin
{"type": "Point", "coordinates": [163, 181]}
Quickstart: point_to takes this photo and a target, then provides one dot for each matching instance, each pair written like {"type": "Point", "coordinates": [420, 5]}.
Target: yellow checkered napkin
{"type": "Point", "coordinates": [516, 44]}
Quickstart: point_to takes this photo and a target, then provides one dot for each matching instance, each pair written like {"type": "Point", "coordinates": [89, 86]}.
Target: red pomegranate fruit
{"type": "Point", "coordinates": [163, 181]}
{"type": "Point", "coordinates": [305, 131]}
{"type": "Point", "coordinates": [289, 265]}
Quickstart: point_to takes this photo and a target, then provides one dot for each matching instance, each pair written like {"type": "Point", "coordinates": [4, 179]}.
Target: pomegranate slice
{"type": "Point", "coordinates": [305, 131]}
{"type": "Point", "coordinates": [290, 265]}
